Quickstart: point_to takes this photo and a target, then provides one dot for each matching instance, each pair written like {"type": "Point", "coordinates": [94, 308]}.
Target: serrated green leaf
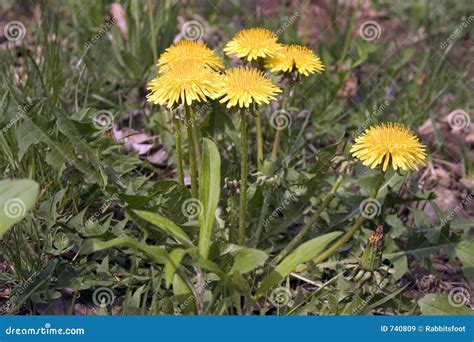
{"type": "Point", "coordinates": [397, 225]}
{"type": "Point", "coordinates": [27, 134]}
{"type": "Point", "coordinates": [32, 284]}
{"type": "Point", "coordinates": [156, 253]}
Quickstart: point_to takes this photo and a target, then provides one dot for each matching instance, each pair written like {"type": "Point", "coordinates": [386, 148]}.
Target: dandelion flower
{"type": "Point", "coordinates": [243, 86]}
{"type": "Point", "coordinates": [389, 143]}
{"type": "Point", "coordinates": [188, 50]}
{"type": "Point", "coordinates": [295, 56]}
{"type": "Point", "coordinates": [184, 82]}
{"type": "Point", "coordinates": [253, 43]}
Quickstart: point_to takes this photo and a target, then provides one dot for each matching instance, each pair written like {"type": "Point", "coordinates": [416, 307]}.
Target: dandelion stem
{"type": "Point", "coordinates": [276, 144]}
{"type": "Point", "coordinates": [233, 230]}
{"type": "Point", "coordinates": [279, 132]}
{"type": "Point", "coordinates": [268, 170]}
{"type": "Point", "coordinates": [243, 176]}
{"type": "Point", "coordinates": [357, 224]}
{"type": "Point", "coordinates": [258, 122]}
{"type": "Point", "coordinates": [261, 219]}
{"type": "Point", "coordinates": [197, 147]}
{"type": "Point", "coordinates": [192, 152]}
{"type": "Point", "coordinates": [179, 155]}
{"type": "Point", "coordinates": [303, 232]}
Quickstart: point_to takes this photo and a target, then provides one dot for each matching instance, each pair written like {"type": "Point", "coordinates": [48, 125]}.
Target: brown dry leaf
{"type": "Point", "coordinates": [85, 310]}
{"type": "Point", "coordinates": [446, 200]}
{"type": "Point", "coordinates": [158, 157]}
{"type": "Point", "coordinates": [312, 31]}
{"type": "Point", "coordinates": [349, 89]}
{"type": "Point", "coordinates": [142, 143]}
{"type": "Point", "coordinates": [133, 140]}
{"type": "Point", "coordinates": [453, 137]}
{"type": "Point", "coordinates": [468, 183]}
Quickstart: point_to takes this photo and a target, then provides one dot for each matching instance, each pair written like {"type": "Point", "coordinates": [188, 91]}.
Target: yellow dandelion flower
{"type": "Point", "coordinates": [253, 43]}
{"type": "Point", "coordinates": [184, 82]}
{"type": "Point", "coordinates": [387, 143]}
{"type": "Point", "coordinates": [243, 86]}
{"type": "Point", "coordinates": [188, 50]}
{"type": "Point", "coordinates": [295, 56]}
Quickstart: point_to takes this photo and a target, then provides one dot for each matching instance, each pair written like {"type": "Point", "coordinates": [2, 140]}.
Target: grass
{"type": "Point", "coordinates": [72, 64]}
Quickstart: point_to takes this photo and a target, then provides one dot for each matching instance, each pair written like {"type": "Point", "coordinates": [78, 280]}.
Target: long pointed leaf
{"type": "Point", "coordinates": [157, 254]}
{"type": "Point", "coordinates": [176, 255]}
{"type": "Point", "coordinates": [248, 259]}
{"type": "Point", "coordinates": [167, 225]}
{"type": "Point", "coordinates": [303, 253]}
{"type": "Point", "coordinates": [209, 193]}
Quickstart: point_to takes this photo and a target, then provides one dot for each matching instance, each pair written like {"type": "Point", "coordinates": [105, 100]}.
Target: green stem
{"type": "Point", "coordinates": [276, 144]}
{"type": "Point", "coordinates": [258, 122]}
{"type": "Point", "coordinates": [303, 232]}
{"type": "Point", "coordinates": [261, 219]}
{"type": "Point", "coordinates": [279, 132]}
{"type": "Point", "coordinates": [243, 176]}
{"type": "Point", "coordinates": [357, 224]}
{"type": "Point", "coordinates": [192, 152]}
{"type": "Point", "coordinates": [197, 147]}
{"type": "Point", "coordinates": [179, 156]}
{"type": "Point", "coordinates": [233, 234]}
{"type": "Point", "coordinates": [268, 170]}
